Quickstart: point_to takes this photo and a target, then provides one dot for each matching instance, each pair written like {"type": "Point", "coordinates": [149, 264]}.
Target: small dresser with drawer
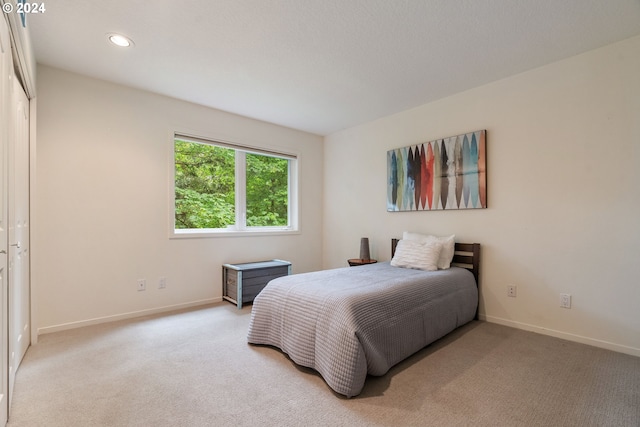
{"type": "Point", "coordinates": [241, 283]}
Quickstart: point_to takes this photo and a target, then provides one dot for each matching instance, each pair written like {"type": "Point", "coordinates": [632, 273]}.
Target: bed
{"type": "Point", "coordinates": [347, 323]}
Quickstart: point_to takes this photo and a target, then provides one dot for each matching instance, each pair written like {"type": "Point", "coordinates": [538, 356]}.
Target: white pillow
{"type": "Point", "coordinates": [414, 254]}
{"type": "Point", "coordinates": [448, 246]}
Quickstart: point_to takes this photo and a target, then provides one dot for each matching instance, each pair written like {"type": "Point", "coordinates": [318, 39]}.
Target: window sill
{"type": "Point", "coordinates": [206, 233]}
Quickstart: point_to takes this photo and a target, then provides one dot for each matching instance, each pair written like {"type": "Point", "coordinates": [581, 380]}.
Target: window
{"type": "Point", "coordinates": [225, 188]}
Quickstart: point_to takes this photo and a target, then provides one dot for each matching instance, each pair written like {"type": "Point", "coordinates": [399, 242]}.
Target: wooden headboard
{"type": "Point", "coordinates": [466, 255]}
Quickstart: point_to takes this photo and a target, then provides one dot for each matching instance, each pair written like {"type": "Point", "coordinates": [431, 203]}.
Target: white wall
{"type": "Point", "coordinates": [102, 200]}
{"type": "Point", "coordinates": [563, 193]}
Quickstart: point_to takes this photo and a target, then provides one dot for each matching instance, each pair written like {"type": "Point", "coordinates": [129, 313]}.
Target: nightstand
{"type": "Point", "coordinates": [356, 261]}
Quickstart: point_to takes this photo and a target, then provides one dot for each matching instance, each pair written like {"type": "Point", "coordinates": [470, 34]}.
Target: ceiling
{"type": "Point", "coordinates": [321, 65]}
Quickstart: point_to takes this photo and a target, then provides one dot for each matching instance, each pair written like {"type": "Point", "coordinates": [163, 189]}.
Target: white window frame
{"type": "Point", "coordinates": [239, 228]}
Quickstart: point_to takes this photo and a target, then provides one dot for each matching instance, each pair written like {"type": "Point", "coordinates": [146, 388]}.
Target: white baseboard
{"type": "Point", "coordinates": [563, 335]}
{"type": "Point", "coordinates": [491, 319]}
{"type": "Point", "coordinates": [98, 320]}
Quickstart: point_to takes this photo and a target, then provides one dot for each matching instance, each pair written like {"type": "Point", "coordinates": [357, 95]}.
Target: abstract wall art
{"type": "Point", "coordinates": [448, 173]}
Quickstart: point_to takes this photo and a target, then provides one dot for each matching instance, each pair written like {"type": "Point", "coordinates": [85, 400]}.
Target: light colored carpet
{"type": "Point", "coordinates": [195, 368]}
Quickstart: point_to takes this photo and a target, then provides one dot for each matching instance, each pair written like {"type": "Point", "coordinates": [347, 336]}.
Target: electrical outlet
{"type": "Point", "coordinates": [162, 283]}
{"type": "Point", "coordinates": [565, 300]}
{"type": "Point", "coordinates": [142, 284]}
{"type": "Point", "coordinates": [511, 291]}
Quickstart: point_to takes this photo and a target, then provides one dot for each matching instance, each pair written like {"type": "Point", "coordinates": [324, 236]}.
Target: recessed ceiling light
{"type": "Point", "coordinates": [120, 40]}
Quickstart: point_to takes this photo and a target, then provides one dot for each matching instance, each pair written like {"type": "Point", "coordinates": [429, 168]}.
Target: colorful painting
{"type": "Point", "coordinates": [447, 173]}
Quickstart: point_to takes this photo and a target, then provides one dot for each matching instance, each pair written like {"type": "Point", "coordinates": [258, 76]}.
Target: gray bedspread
{"type": "Point", "coordinates": [349, 322]}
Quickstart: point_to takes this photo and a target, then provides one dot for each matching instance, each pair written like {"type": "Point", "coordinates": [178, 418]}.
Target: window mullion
{"type": "Point", "coordinates": [241, 190]}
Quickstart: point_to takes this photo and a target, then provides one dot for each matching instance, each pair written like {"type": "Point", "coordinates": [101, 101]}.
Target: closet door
{"type": "Point", "coordinates": [5, 67]}
{"type": "Point", "coordinates": [18, 214]}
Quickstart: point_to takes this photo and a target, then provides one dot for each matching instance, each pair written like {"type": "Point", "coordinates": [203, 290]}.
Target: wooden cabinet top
{"type": "Point", "coordinates": [258, 265]}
